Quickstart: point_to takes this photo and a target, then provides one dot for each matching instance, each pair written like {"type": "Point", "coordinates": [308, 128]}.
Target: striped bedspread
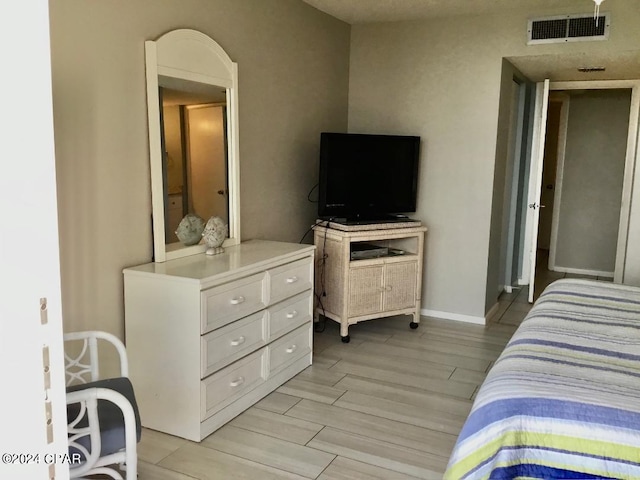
{"type": "Point", "coordinates": [563, 399]}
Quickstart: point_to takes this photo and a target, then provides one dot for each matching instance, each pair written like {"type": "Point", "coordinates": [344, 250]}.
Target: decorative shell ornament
{"type": "Point", "coordinates": [215, 231]}
{"type": "Point", "coordinates": [190, 229]}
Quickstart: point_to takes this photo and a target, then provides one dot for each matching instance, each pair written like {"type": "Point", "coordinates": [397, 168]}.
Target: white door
{"type": "Point", "coordinates": [207, 162]}
{"type": "Point", "coordinates": [535, 181]}
{"type": "Point", "coordinates": [33, 418]}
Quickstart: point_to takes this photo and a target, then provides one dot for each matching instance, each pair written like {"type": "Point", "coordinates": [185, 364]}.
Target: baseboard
{"type": "Point", "coordinates": [580, 271]}
{"type": "Point", "coordinates": [458, 317]}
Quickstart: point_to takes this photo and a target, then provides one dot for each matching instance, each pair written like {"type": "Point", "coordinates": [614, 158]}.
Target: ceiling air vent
{"type": "Point", "coordinates": [568, 28]}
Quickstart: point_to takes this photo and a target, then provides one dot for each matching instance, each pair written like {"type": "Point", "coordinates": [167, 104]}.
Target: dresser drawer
{"type": "Point", "coordinates": [225, 303]}
{"type": "Point", "coordinates": [289, 314]}
{"type": "Point", "coordinates": [289, 348]}
{"type": "Point", "coordinates": [287, 280]}
{"type": "Point", "coordinates": [229, 384]}
{"type": "Point", "coordinates": [229, 343]}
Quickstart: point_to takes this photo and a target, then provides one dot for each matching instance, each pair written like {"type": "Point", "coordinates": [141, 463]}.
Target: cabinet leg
{"type": "Point", "coordinates": [415, 321]}
{"type": "Point", "coordinates": [344, 332]}
{"type": "Point", "coordinates": [318, 326]}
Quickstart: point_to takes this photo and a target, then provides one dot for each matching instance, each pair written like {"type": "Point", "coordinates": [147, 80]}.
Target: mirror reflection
{"type": "Point", "coordinates": [194, 146]}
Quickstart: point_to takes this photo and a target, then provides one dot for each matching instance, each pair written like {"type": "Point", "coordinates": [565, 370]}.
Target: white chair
{"type": "Point", "coordinates": [102, 414]}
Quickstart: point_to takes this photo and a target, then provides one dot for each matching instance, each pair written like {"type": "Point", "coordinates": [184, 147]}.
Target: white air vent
{"type": "Point", "coordinates": [568, 28]}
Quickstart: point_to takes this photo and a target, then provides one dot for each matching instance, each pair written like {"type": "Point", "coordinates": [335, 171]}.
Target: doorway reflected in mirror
{"type": "Point", "coordinates": [194, 137]}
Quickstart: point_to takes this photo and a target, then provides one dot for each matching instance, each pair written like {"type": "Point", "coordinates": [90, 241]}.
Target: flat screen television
{"type": "Point", "coordinates": [367, 177]}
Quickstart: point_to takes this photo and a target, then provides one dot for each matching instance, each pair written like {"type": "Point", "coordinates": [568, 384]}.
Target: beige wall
{"type": "Point", "coordinates": [293, 81]}
{"type": "Point", "coordinates": [589, 211]}
{"type": "Point", "coordinates": [441, 79]}
{"type": "Point", "coordinates": [496, 261]}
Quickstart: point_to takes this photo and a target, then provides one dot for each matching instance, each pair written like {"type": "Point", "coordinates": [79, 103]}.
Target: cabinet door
{"type": "Point", "coordinates": [400, 282]}
{"type": "Point", "coordinates": [365, 290]}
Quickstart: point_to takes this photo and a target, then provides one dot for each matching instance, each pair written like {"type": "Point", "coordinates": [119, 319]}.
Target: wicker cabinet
{"type": "Point", "coordinates": [368, 271]}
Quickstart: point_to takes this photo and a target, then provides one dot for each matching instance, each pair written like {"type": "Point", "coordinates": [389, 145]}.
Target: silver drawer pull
{"type": "Point", "coordinates": [238, 341]}
{"type": "Point", "coordinates": [237, 300]}
{"type": "Point", "coordinates": [291, 349]}
{"type": "Point", "coordinates": [236, 382]}
{"type": "Point", "coordinates": [292, 314]}
{"type": "Point", "coordinates": [293, 279]}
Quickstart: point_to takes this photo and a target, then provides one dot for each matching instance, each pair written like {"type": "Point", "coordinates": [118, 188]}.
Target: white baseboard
{"type": "Point", "coordinates": [458, 317]}
{"type": "Point", "coordinates": [580, 271]}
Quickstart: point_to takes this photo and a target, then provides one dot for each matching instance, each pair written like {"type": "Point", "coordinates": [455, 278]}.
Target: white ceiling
{"type": "Point", "coordinates": [563, 67]}
{"type": "Point", "coordinates": [622, 65]}
{"type": "Point", "coordinates": [367, 11]}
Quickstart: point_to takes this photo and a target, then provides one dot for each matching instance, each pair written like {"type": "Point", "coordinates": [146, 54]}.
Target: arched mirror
{"type": "Point", "coordinates": [192, 104]}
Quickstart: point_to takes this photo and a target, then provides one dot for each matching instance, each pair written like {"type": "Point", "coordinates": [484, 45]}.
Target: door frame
{"type": "Point", "coordinates": [565, 101]}
{"type": "Point", "coordinates": [631, 159]}
{"type": "Point", "coordinates": [515, 164]}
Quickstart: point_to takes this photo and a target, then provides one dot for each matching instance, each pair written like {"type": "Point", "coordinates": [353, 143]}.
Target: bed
{"type": "Point", "coordinates": [563, 399]}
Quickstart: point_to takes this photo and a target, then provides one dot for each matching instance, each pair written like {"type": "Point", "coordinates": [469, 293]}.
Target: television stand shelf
{"type": "Point", "coordinates": [351, 289]}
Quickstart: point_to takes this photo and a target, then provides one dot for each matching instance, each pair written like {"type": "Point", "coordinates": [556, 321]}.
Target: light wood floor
{"type": "Point", "coordinates": [389, 405]}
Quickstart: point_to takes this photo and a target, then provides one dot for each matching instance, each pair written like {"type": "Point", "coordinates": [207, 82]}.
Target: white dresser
{"type": "Point", "coordinates": [207, 337]}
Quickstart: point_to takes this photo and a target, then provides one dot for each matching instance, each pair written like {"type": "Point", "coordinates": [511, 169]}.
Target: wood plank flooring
{"type": "Point", "coordinates": [389, 406]}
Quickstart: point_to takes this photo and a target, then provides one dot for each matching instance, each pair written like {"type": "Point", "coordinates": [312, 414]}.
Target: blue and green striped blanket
{"type": "Point", "coordinates": [563, 399]}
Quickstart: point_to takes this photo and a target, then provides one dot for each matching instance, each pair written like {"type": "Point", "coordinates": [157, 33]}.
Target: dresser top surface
{"type": "Point", "coordinates": [249, 255]}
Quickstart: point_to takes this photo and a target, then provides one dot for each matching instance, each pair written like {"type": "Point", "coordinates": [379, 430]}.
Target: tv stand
{"type": "Point", "coordinates": [351, 289]}
{"type": "Point", "coordinates": [373, 221]}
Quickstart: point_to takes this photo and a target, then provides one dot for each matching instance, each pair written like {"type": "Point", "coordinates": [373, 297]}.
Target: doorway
{"type": "Point", "coordinates": [583, 172]}
{"type": "Point", "coordinates": [582, 191]}
{"type": "Point", "coordinates": [195, 177]}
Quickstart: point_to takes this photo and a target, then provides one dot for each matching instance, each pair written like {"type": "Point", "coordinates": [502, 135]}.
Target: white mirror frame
{"type": "Point", "coordinates": [193, 56]}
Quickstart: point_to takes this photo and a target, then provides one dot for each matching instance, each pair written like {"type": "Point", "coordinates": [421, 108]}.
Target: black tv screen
{"type": "Point", "coordinates": [367, 176]}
